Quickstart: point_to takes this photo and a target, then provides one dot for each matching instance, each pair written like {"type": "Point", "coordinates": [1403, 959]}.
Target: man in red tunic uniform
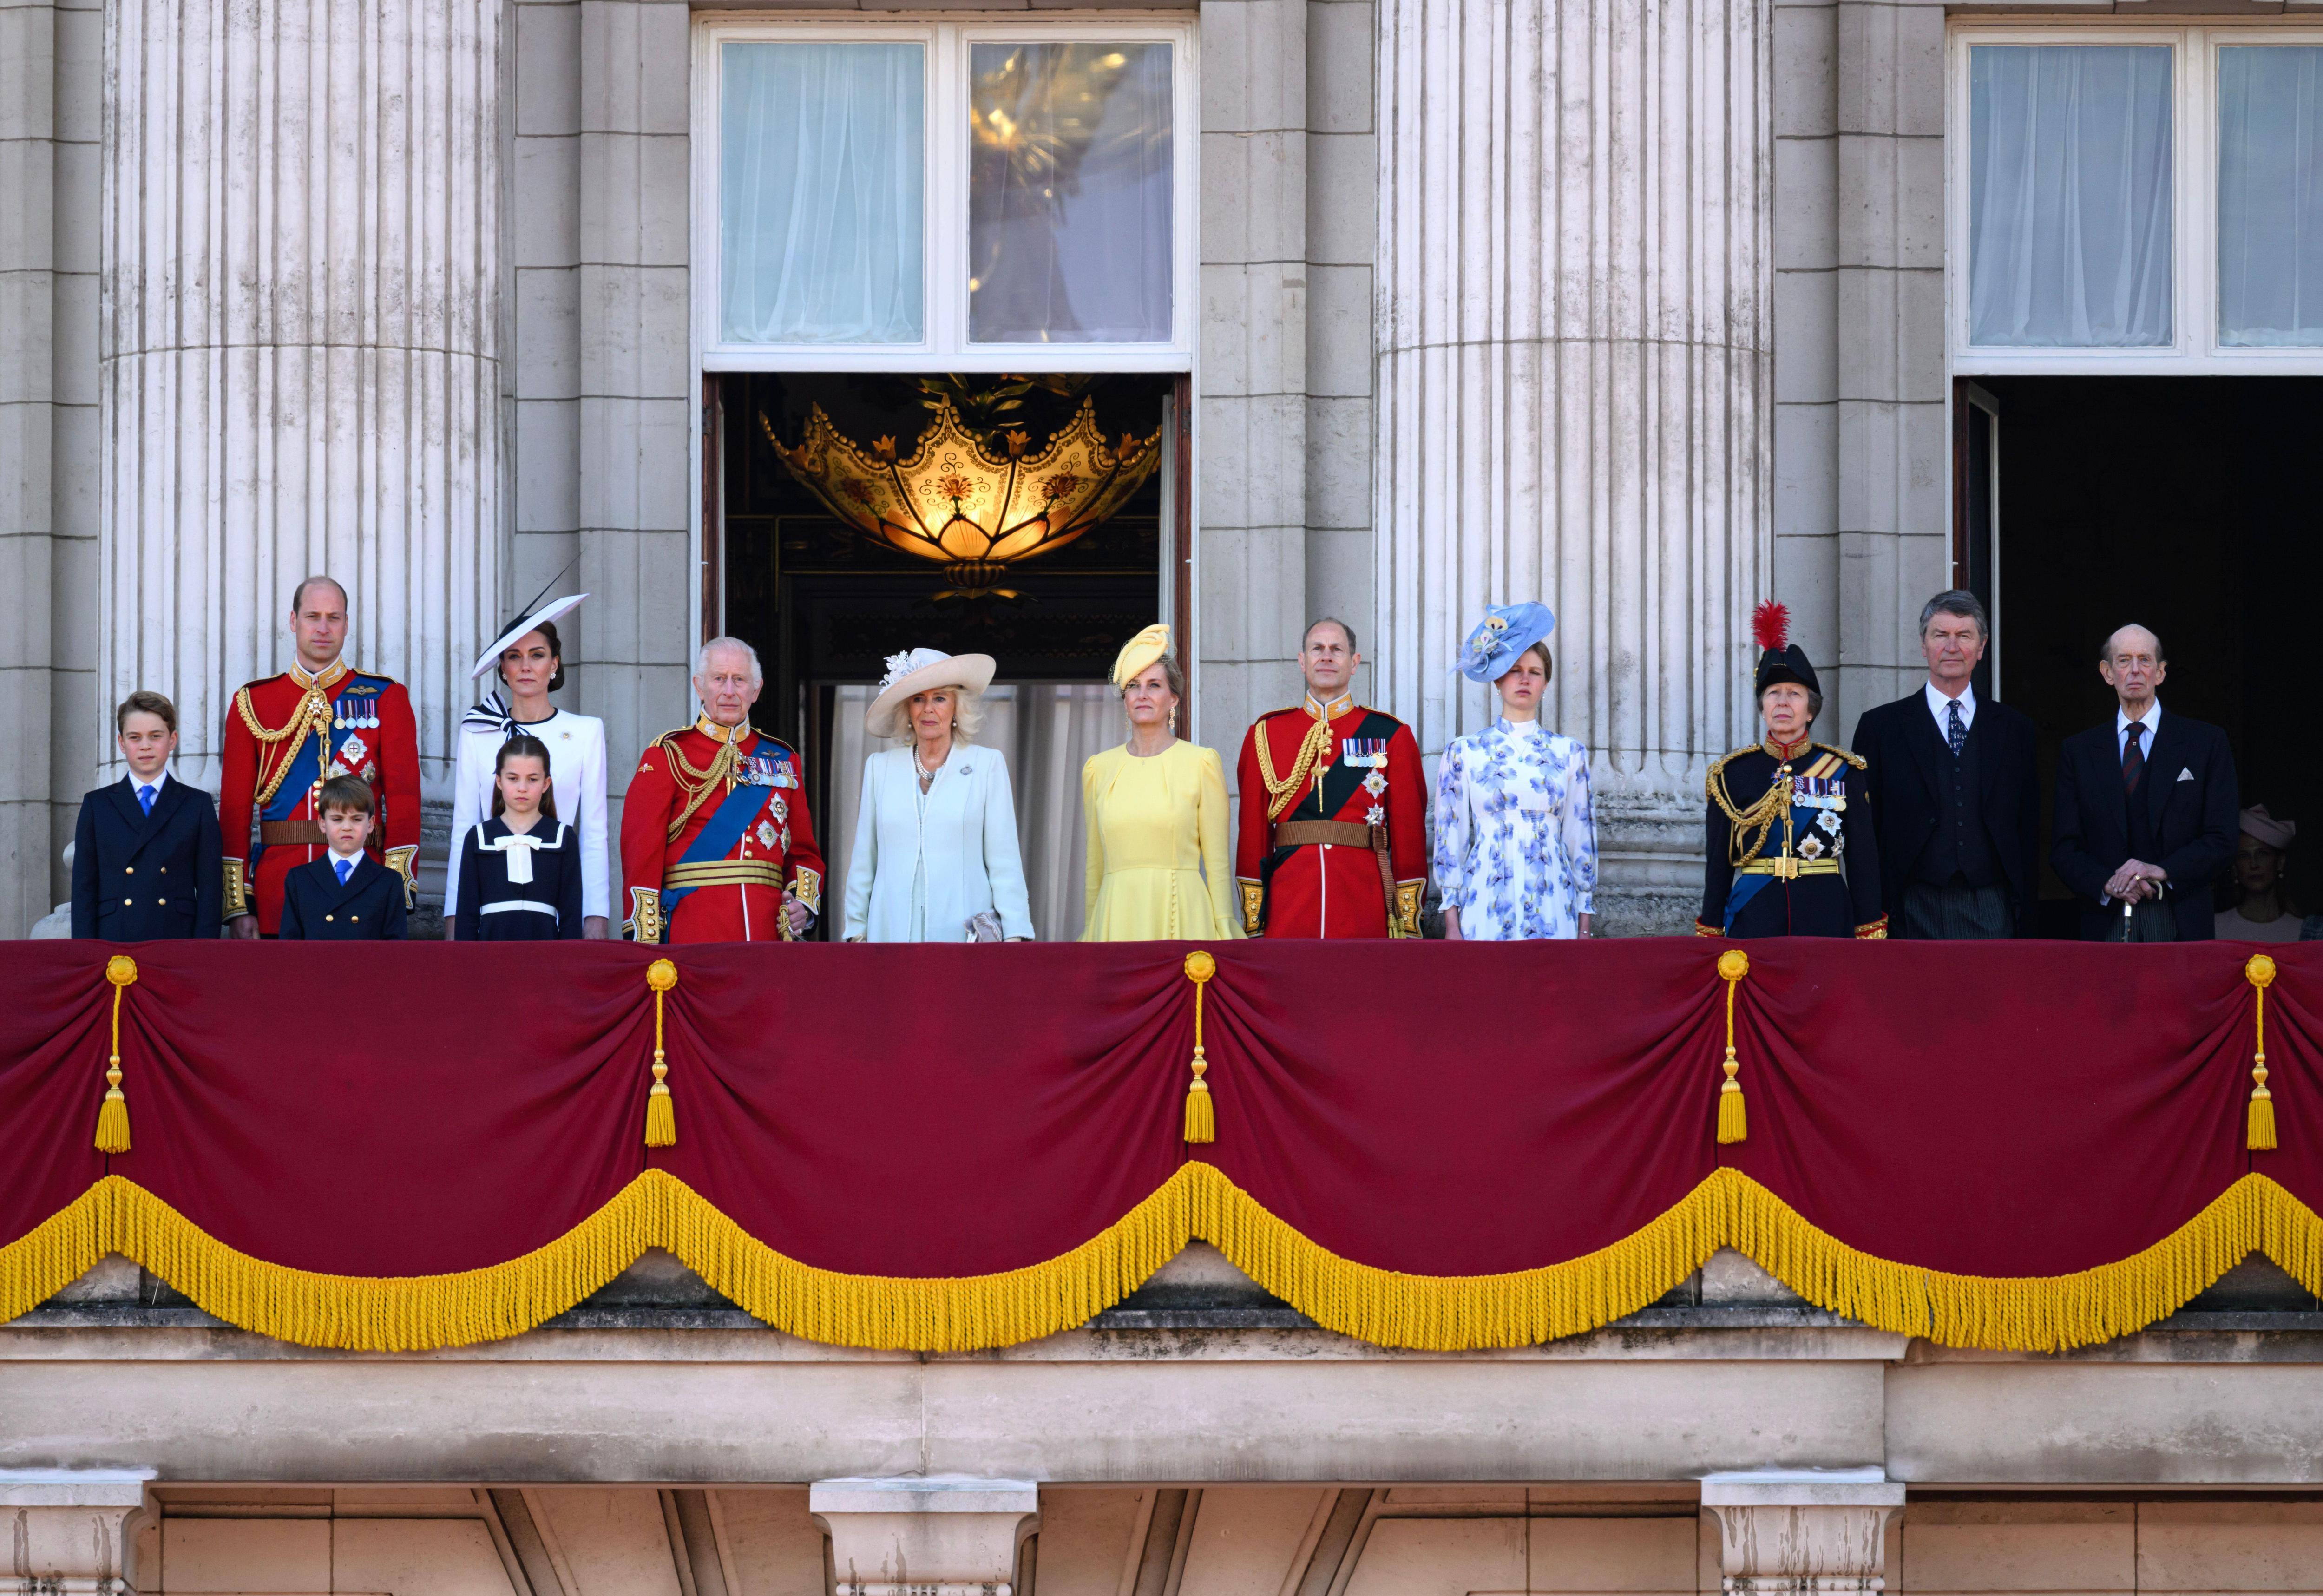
{"type": "Point", "coordinates": [1334, 833]}
{"type": "Point", "coordinates": [716, 842]}
{"type": "Point", "coordinates": [288, 735]}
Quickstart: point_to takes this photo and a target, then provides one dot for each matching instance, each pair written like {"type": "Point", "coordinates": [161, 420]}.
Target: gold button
{"type": "Point", "coordinates": [163, 902]}
{"type": "Point", "coordinates": [126, 901]}
{"type": "Point", "coordinates": [355, 917]}
{"type": "Point", "coordinates": [330, 916]}
{"type": "Point", "coordinates": [129, 869]}
{"type": "Point", "coordinates": [165, 869]}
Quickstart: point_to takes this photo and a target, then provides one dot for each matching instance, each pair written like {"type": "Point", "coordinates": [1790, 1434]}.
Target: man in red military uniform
{"type": "Point", "coordinates": [716, 842]}
{"type": "Point", "coordinates": [288, 735]}
{"type": "Point", "coordinates": [1334, 833]}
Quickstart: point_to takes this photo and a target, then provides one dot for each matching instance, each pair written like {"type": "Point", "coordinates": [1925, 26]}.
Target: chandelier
{"type": "Point", "coordinates": [955, 502]}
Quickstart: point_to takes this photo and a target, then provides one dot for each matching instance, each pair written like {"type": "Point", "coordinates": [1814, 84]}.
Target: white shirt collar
{"type": "Point", "coordinates": [157, 784]}
{"type": "Point", "coordinates": [1940, 707]}
{"type": "Point", "coordinates": [2152, 720]}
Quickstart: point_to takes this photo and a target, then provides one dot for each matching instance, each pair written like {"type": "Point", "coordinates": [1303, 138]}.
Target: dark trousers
{"type": "Point", "coordinates": [1954, 912]}
{"type": "Point", "coordinates": [2154, 920]}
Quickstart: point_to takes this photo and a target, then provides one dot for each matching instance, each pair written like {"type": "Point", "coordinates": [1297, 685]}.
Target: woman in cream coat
{"type": "Point", "coordinates": [935, 857]}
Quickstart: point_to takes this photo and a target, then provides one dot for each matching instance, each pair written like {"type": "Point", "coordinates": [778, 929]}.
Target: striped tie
{"type": "Point", "coordinates": [2133, 756]}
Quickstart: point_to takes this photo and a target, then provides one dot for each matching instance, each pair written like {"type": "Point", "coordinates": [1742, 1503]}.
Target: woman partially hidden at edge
{"type": "Point", "coordinates": [1516, 840]}
{"type": "Point", "coordinates": [935, 857]}
{"type": "Point", "coordinates": [1159, 866]}
{"type": "Point", "coordinates": [1789, 846]}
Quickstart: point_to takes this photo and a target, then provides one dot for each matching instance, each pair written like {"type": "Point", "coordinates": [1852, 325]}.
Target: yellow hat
{"type": "Point", "coordinates": [1139, 652]}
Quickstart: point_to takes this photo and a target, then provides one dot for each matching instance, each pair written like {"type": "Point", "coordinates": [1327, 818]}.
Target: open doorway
{"type": "Point", "coordinates": [826, 602]}
{"type": "Point", "coordinates": [2188, 504]}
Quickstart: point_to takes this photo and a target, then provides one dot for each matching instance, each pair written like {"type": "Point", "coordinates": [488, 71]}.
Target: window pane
{"type": "Point", "coordinates": [2270, 194]}
{"type": "Point", "coordinates": [2068, 195]}
{"type": "Point", "coordinates": [819, 182]}
{"type": "Point", "coordinates": [1068, 194]}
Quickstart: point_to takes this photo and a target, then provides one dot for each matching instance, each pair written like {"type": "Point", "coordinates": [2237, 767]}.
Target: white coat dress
{"type": "Point", "coordinates": [577, 773]}
{"type": "Point", "coordinates": [924, 865]}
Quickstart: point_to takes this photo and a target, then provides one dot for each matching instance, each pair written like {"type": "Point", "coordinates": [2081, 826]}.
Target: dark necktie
{"type": "Point", "coordinates": [1955, 733]}
{"type": "Point", "coordinates": [2133, 756]}
{"type": "Point", "coordinates": [145, 799]}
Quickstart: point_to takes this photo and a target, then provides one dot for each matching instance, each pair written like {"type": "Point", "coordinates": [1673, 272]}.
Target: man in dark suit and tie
{"type": "Point", "coordinates": [146, 852]}
{"type": "Point", "coordinates": [1955, 786]}
{"type": "Point", "coordinates": [2147, 808]}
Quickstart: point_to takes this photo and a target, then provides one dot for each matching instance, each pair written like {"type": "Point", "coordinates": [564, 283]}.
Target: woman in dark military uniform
{"type": "Point", "coordinates": [1785, 815]}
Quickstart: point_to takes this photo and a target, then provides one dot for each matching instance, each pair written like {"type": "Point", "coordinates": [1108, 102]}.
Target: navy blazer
{"type": "Point", "coordinates": [2196, 820]}
{"type": "Point", "coordinates": [1907, 752]}
{"type": "Point", "coordinates": [316, 909]}
{"type": "Point", "coordinates": [138, 878]}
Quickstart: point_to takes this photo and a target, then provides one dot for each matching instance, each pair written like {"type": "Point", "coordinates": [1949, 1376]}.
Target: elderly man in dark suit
{"type": "Point", "coordinates": [1955, 783]}
{"type": "Point", "coordinates": [2147, 808]}
{"type": "Point", "coordinates": [147, 856]}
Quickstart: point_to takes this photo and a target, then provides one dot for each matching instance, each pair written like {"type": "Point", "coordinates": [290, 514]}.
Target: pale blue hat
{"type": "Point", "coordinates": [1505, 633]}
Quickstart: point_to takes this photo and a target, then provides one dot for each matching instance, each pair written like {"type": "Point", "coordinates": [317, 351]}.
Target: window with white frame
{"type": "Point", "coordinates": [929, 195]}
{"type": "Point", "coordinates": [2136, 199]}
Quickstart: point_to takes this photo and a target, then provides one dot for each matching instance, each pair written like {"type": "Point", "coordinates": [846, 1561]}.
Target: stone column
{"type": "Point", "coordinates": [940, 1535]}
{"type": "Point", "coordinates": [1805, 1532]}
{"type": "Point", "coordinates": [300, 345]}
{"type": "Point", "coordinates": [64, 1527]}
{"type": "Point", "coordinates": [1574, 396]}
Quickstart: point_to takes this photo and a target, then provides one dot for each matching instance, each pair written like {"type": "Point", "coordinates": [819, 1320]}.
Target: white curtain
{"type": "Point", "coordinates": [2270, 194]}
{"type": "Point", "coordinates": [2070, 195]}
{"type": "Point", "coordinates": [1069, 185]}
{"type": "Point", "coordinates": [1047, 731]}
{"type": "Point", "coordinates": [820, 181]}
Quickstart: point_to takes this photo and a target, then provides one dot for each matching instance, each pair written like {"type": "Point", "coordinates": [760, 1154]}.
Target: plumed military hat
{"type": "Point", "coordinates": [1501, 638]}
{"type": "Point", "coordinates": [1780, 660]}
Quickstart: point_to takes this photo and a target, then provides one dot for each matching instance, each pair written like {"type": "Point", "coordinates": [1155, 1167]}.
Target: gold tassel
{"type": "Point", "coordinates": [1733, 1123]}
{"type": "Point", "coordinates": [2260, 1134]}
{"type": "Point", "coordinates": [113, 1118]}
{"type": "Point", "coordinates": [661, 1110]}
{"type": "Point", "coordinates": [1201, 1117]}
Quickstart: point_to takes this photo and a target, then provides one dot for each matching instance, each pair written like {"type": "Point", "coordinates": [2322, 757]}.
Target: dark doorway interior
{"type": "Point", "coordinates": [825, 606]}
{"type": "Point", "coordinates": [2189, 505]}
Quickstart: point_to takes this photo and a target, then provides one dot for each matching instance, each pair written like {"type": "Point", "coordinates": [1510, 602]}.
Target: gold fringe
{"type": "Point", "coordinates": [1429, 1312]}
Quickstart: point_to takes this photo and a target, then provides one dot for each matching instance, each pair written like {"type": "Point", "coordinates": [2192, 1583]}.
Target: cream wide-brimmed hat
{"type": "Point", "coordinates": [923, 670]}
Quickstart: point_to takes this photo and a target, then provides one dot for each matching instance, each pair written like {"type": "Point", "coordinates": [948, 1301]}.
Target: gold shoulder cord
{"type": "Point", "coordinates": [1282, 795]}
{"type": "Point", "coordinates": [697, 782]}
{"type": "Point", "coordinates": [313, 713]}
{"type": "Point", "coordinates": [1857, 760]}
{"type": "Point", "coordinates": [1774, 803]}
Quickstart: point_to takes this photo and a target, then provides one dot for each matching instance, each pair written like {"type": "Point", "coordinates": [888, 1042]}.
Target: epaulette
{"type": "Point", "coordinates": [1857, 760]}
{"type": "Point", "coordinates": [1278, 714]}
{"type": "Point", "coordinates": [1719, 764]}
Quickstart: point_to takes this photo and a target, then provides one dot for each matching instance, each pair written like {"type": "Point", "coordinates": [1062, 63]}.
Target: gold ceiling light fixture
{"type": "Point", "coordinates": [956, 502]}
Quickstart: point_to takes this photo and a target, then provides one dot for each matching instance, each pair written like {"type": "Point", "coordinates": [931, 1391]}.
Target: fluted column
{"type": "Point", "coordinates": [299, 344]}
{"type": "Point", "coordinates": [1575, 385]}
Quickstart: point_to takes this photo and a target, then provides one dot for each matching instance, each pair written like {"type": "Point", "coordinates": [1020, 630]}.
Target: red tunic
{"type": "Point", "coordinates": [274, 762]}
{"type": "Point", "coordinates": [1365, 772]}
{"type": "Point", "coordinates": [718, 874]}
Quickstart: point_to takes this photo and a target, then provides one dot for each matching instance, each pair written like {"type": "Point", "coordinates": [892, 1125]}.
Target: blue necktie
{"type": "Point", "coordinates": [1957, 734]}
{"type": "Point", "coordinates": [346, 867]}
{"type": "Point", "coordinates": [145, 797]}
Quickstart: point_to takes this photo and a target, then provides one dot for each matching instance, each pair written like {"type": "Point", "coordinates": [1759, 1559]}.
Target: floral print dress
{"type": "Point", "coordinates": [1516, 839]}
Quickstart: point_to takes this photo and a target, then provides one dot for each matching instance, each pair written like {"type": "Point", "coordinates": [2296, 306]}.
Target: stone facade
{"type": "Point", "coordinates": [1639, 313]}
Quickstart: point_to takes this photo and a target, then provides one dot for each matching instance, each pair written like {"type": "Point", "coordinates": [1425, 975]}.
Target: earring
{"type": "Point", "coordinates": [1174, 720]}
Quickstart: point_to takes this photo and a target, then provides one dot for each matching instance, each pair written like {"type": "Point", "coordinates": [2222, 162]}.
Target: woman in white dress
{"type": "Point", "coordinates": [528, 658]}
{"type": "Point", "coordinates": [1516, 840]}
{"type": "Point", "coordinates": [935, 857]}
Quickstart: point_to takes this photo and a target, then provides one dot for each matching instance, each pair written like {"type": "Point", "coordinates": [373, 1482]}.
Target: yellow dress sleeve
{"type": "Point", "coordinates": [1094, 877]}
{"type": "Point", "coordinates": [1218, 857]}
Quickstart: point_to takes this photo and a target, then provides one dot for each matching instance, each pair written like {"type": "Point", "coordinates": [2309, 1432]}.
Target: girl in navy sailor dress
{"type": "Point", "coordinates": [520, 870]}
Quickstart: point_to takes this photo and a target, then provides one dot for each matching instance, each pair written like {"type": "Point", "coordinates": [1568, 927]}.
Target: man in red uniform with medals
{"type": "Point", "coordinates": [716, 842]}
{"type": "Point", "coordinates": [1334, 834]}
{"type": "Point", "coordinates": [288, 735]}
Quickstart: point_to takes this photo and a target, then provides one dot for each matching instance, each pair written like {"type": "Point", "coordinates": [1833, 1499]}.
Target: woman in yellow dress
{"type": "Point", "coordinates": [1159, 868]}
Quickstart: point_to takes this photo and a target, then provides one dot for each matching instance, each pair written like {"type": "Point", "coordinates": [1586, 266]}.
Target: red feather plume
{"type": "Point", "coordinates": [1770, 624]}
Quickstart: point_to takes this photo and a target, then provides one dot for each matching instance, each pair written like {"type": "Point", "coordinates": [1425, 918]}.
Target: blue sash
{"type": "Point", "coordinates": [734, 816]}
{"type": "Point", "coordinates": [1746, 888]}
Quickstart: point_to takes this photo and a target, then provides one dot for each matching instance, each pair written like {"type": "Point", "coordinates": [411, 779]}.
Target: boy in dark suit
{"type": "Point", "coordinates": [146, 852]}
{"type": "Point", "coordinates": [346, 896]}
{"type": "Point", "coordinates": [2147, 807]}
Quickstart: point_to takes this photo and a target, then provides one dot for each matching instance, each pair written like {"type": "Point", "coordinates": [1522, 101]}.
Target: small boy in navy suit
{"type": "Point", "coordinates": [346, 896]}
{"type": "Point", "coordinates": [147, 857]}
